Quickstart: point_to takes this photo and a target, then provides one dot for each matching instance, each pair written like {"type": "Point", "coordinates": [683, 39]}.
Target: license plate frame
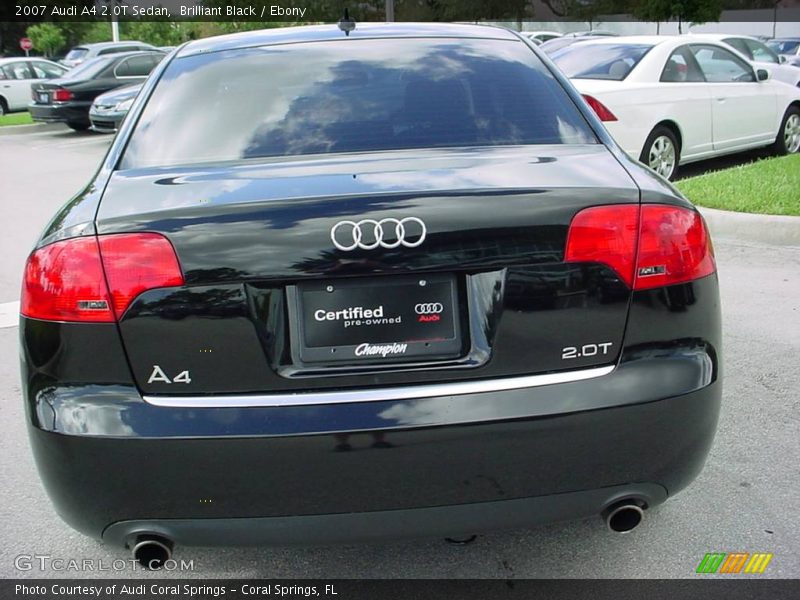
{"type": "Point", "coordinates": [391, 319]}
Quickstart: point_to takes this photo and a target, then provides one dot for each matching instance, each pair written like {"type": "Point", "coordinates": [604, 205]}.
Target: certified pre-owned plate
{"type": "Point", "coordinates": [375, 320]}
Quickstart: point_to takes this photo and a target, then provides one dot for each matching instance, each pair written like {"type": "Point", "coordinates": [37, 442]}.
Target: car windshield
{"type": "Point", "coordinates": [87, 69]}
{"type": "Point", "coordinates": [784, 46]}
{"type": "Point", "coordinates": [76, 53]}
{"type": "Point", "coordinates": [343, 96]}
{"type": "Point", "coordinates": [599, 61]}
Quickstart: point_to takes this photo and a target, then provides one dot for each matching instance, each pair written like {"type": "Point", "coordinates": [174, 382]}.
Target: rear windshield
{"type": "Point", "coordinates": [784, 46]}
{"type": "Point", "coordinates": [87, 69]}
{"type": "Point", "coordinates": [599, 61]}
{"type": "Point", "coordinates": [76, 53]}
{"type": "Point", "coordinates": [351, 96]}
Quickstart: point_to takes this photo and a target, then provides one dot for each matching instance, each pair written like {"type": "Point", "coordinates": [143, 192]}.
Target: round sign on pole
{"type": "Point", "coordinates": [26, 44]}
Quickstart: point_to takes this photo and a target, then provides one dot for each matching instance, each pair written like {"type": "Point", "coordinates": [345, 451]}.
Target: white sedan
{"type": "Point", "coordinates": [16, 77]}
{"type": "Point", "coordinates": [670, 100]}
{"type": "Point", "coordinates": [761, 55]}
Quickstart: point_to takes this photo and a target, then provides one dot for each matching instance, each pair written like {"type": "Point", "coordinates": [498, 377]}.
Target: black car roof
{"type": "Point", "coordinates": [121, 55]}
{"type": "Point", "coordinates": [113, 44]}
{"type": "Point", "coordinates": [319, 33]}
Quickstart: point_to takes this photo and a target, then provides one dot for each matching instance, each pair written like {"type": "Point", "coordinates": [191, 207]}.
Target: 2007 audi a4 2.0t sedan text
{"type": "Point", "coordinates": [399, 282]}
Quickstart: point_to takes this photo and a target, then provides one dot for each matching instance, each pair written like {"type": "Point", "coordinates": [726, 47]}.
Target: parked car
{"type": "Point", "coordinates": [16, 77]}
{"type": "Point", "coordinates": [294, 262]}
{"type": "Point", "coordinates": [673, 100]}
{"type": "Point", "coordinates": [80, 54]}
{"type": "Point", "coordinates": [760, 54]}
{"type": "Point", "coordinates": [542, 36]}
{"type": "Point", "coordinates": [535, 40]}
{"type": "Point", "coordinates": [556, 44]}
{"type": "Point", "coordinates": [788, 47]}
{"type": "Point", "coordinates": [109, 109]}
{"type": "Point", "coordinates": [68, 100]}
{"type": "Point", "coordinates": [591, 33]}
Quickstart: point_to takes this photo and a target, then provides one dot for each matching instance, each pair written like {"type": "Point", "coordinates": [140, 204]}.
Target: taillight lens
{"type": "Point", "coordinates": [599, 108]}
{"type": "Point", "coordinates": [62, 95]}
{"type": "Point", "coordinates": [66, 281]}
{"type": "Point", "coordinates": [605, 234]}
{"type": "Point", "coordinates": [674, 247]}
{"type": "Point", "coordinates": [652, 246]}
{"type": "Point", "coordinates": [136, 262]}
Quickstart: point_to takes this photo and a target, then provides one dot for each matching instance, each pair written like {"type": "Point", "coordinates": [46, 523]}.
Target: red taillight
{"type": "Point", "coordinates": [599, 108]}
{"type": "Point", "coordinates": [605, 234]}
{"type": "Point", "coordinates": [62, 95]}
{"type": "Point", "coordinates": [136, 262]}
{"type": "Point", "coordinates": [673, 244]}
{"type": "Point", "coordinates": [674, 247]}
{"type": "Point", "coordinates": [66, 281]}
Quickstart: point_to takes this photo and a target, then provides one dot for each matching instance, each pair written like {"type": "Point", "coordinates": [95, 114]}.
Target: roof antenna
{"type": "Point", "coordinates": [347, 24]}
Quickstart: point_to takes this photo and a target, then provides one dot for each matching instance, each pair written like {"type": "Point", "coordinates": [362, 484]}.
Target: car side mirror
{"type": "Point", "coordinates": [781, 58]}
{"type": "Point", "coordinates": [762, 74]}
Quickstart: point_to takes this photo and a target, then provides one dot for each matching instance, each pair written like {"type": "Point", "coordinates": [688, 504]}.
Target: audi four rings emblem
{"type": "Point", "coordinates": [429, 308]}
{"type": "Point", "coordinates": [368, 234]}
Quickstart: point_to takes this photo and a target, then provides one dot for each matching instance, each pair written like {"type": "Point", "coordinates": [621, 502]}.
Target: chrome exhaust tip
{"type": "Point", "coordinates": [623, 517]}
{"type": "Point", "coordinates": [152, 551]}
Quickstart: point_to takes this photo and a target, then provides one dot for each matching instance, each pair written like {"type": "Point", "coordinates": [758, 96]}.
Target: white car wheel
{"type": "Point", "coordinates": [661, 152]}
{"type": "Point", "coordinates": [788, 139]}
{"type": "Point", "coordinates": [791, 133]}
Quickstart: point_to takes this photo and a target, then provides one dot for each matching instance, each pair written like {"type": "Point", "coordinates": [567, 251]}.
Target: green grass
{"type": "Point", "coordinates": [19, 118]}
{"type": "Point", "coordinates": [770, 186]}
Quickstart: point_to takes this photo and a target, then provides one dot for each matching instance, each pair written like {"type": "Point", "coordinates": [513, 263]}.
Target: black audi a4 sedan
{"type": "Point", "coordinates": [330, 287]}
{"type": "Point", "coordinates": [68, 99]}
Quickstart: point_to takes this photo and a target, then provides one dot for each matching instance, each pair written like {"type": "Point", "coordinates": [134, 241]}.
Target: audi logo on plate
{"type": "Point", "coordinates": [429, 308]}
{"type": "Point", "coordinates": [368, 234]}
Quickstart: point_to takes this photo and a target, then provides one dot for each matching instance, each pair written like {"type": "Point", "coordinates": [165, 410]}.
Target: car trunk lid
{"type": "Point", "coordinates": [254, 240]}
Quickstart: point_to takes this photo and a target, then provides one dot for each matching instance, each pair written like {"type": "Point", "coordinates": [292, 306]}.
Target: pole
{"type": "Point", "coordinates": [389, 11]}
{"type": "Point", "coordinates": [114, 28]}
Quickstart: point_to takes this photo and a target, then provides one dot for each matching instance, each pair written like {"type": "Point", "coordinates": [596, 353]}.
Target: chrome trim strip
{"type": "Point", "coordinates": [410, 392]}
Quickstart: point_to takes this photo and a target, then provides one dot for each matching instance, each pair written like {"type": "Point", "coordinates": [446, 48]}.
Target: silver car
{"type": "Point", "coordinates": [84, 52]}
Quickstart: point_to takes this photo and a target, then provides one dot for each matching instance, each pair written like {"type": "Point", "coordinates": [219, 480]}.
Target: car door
{"type": "Point", "coordinates": [683, 83]}
{"type": "Point", "coordinates": [743, 110]}
{"type": "Point", "coordinates": [15, 85]}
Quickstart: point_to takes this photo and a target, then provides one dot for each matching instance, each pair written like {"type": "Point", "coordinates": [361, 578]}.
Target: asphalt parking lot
{"type": "Point", "coordinates": [746, 499]}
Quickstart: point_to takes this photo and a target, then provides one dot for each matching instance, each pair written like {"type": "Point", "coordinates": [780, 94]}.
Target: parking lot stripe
{"type": "Point", "coordinates": [9, 314]}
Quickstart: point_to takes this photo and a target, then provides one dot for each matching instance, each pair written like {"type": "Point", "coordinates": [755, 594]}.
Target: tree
{"type": "Point", "coordinates": [685, 11]}
{"type": "Point", "coordinates": [46, 38]}
{"type": "Point", "coordinates": [158, 33]}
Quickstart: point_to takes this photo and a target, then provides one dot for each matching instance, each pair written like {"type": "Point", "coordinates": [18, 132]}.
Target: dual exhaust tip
{"type": "Point", "coordinates": [624, 516]}
{"type": "Point", "coordinates": [153, 551]}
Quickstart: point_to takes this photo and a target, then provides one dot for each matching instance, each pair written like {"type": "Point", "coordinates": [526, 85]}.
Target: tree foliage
{"type": "Point", "coordinates": [684, 11]}
{"type": "Point", "coordinates": [47, 38]}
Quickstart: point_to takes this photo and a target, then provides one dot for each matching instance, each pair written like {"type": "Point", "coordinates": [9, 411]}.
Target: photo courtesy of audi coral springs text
{"type": "Point", "coordinates": [331, 287]}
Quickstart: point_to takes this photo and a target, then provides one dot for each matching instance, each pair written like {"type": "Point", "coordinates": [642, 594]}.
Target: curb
{"type": "Point", "coordinates": [775, 230]}
{"type": "Point", "coordinates": [29, 128]}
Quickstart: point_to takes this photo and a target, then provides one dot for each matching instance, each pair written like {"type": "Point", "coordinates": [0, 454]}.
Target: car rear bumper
{"type": "Point", "coordinates": [357, 481]}
{"type": "Point", "coordinates": [458, 520]}
{"type": "Point", "coordinates": [71, 112]}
